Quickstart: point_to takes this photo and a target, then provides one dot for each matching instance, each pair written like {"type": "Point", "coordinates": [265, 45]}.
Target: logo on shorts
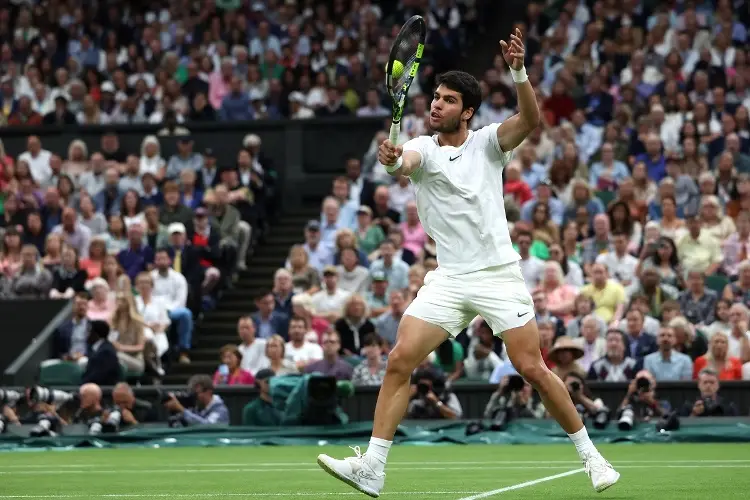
{"type": "Point", "coordinates": [522, 315]}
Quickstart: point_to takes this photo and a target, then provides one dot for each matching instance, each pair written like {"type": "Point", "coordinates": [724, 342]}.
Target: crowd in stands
{"type": "Point", "coordinates": [629, 205]}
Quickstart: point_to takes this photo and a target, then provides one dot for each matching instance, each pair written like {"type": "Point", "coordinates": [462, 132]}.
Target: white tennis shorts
{"type": "Point", "coordinates": [498, 294]}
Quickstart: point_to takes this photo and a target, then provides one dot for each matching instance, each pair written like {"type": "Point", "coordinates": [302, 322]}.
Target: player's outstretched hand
{"type": "Point", "coordinates": [514, 52]}
{"type": "Point", "coordinates": [388, 154]}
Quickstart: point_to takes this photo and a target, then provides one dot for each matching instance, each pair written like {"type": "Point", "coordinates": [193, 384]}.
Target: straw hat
{"type": "Point", "coordinates": [564, 343]}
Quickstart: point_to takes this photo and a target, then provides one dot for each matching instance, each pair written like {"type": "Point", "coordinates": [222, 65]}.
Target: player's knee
{"type": "Point", "coordinates": [400, 364]}
{"type": "Point", "coordinates": [531, 369]}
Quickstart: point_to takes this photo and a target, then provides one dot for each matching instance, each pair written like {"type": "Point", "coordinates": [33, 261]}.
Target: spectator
{"type": "Point", "coordinates": [739, 338]}
{"type": "Point", "coordinates": [261, 411]}
{"type": "Point", "coordinates": [736, 249]}
{"type": "Point", "coordinates": [68, 279]}
{"type": "Point", "coordinates": [230, 371]}
{"type": "Point", "coordinates": [131, 209]}
{"type": "Point", "coordinates": [252, 350]}
{"type": "Point", "coordinates": [300, 350]}
{"type": "Point", "coordinates": [395, 270]}
{"type": "Point", "coordinates": [268, 321]}
{"type": "Point", "coordinates": [739, 291]}
{"type": "Point", "coordinates": [717, 359]}
{"type": "Point", "coordinates": [667, 364]}
{"type": "Point", "coordinates": [560, 296]}
{"type": "Point", "coordinates": [209, 408]}
{"type": "Point", "coordinates": [102, 365]}
{"type": "Point", "coordinates": [345, 239]}
{"type": "Point", "coordinates": [377, 297]}
{"type": "Point", "coordinates": [153, 311]}
{"type": "Point", "coordinates": [583, 306]}
{"type": "Point", "coordinates": [598, 244]}
{"type": "Point", "coordinates": [429, 398]}
{"type": "Point", "coordinates": [688, 340]}
{"type": "Point", "coordinates": [331, 365]}
{"type": "Point", "coordinates": [304, 277]}
{"type": "Point", "coordinates": [387, 322]}
{"type": "Point", "coordinates": [319, 254]}
{"type": "Point", "coordinates": [236, 105]}
{"type": "Point", "coordinates": [564, 354]}
{"type": "Point", "coordinates": [572, 272]}
{"type": "Point", "coordinates": [127, 333]}
{"type": "Point", "coordinates": [173, 211]}
{"type": "Point", "coordinates": [275, 358]}
{"type": "Point", "coordinates": [699, 251]}
{"type": "Point", "coordinates": [90, 218]}
{"type": "Point", "coordinates": [30, 281]}
{"type": "Point", "coordinates": [532, 268]}
{"type": "Point", "coordinates": [615, 365]}
{"type": "Point", "coordinates": [697, 303]}
{"type": "Point", "coordinates": [369, 235]}
{"type": "Point", "coordinates": [353, 277]}
{"type": "Point", "coordinates": [608, 295]}
{"type": "Point", "coordinates": [371, 371]}
{"type": "Point", "coordinates": [354, 325]}
{"type": "Point", "coordinates": [282, 291]}
{"type": "Point", "coordinates": [329, 302]}
{"type": "Point", "coordinates": [232, 227]}
{"type": "Point", "coordinates": [101, 306]}
{"type": "Point", "coordinates": [71, 337]}
{"type": "Point", "coordinates": [108, 197]}
{"type": "Point", "coordinates": [653, 291]}
{"type": "Point", "coordinates": [74, 233]}
{"type": "Point", "coordinates": [137, 257]}
{"type": "Point", "coordinates": [593, 344]}
{"type": "Point", "coordinates": [709, 404]}
{"type": "Point", "coordinates": [620, 264]}
{"type": "Point", "coordinates": [482, 359]}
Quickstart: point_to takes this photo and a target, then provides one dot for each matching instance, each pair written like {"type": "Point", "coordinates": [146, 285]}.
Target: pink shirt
{"type": "Point", "coordinates": [558, 297]}
{"type": "Point", "coordinates": [240, 377]}
{"type": "Point", "coordinates": [217, 89]}
{"type": "Point", "coordinates": [414, 238]}
{"type": "Point", "coordinates": [103, 313]}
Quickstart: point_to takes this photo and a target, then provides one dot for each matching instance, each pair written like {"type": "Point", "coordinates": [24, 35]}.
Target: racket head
{"type": "Point", "coordinates": [408, 48]}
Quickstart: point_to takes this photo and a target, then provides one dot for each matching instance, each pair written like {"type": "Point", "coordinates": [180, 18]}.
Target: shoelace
{"type": "Point", "coordinates": [356, 451]}
{"type": "Point", "coordinates": [595, 464]}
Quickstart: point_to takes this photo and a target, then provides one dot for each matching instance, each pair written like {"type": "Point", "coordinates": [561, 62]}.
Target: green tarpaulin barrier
{"type": "Point", "coordinates": [519, 432]}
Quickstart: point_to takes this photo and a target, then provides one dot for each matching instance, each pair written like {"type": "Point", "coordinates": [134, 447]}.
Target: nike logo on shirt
{"type": "Point", "coordinates": [456, 158]}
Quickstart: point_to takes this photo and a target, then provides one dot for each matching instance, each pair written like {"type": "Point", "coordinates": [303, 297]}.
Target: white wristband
{"type": "Point", "coordinates": [392, 168]}
{"type": "Point", "coordinates": [519, 76]}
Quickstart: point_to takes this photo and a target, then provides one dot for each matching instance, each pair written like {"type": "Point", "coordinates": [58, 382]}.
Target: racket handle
{"type": "Point", "coordinates": [395, 133]}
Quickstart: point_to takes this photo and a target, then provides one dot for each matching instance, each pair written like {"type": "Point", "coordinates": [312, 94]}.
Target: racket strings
{"type": "Point", "coordinates": [406, 53]}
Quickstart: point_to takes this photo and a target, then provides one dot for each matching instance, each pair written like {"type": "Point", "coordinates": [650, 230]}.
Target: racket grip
{"type": "Point", "coordinates": [395, 133]}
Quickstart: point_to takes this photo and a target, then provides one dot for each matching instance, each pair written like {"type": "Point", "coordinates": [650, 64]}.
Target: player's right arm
{"type": "Point", "coordinates": [397, 161]}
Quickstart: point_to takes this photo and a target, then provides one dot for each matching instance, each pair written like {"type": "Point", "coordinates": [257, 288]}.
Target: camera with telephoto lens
{"type": "Point", "coordinates": [49, 396]}
{"type": "Point", "coordinates": [503, 416]}
{"type": "Point", "coordinates": [423, 389]}
{"type": "Point", "coordinates": [46, 426]}
{"type": "Point", "coordinates": [185, 398]}
{"type": "Point", "coordinates": [627, 418]}
{"type": "Point", "coordinates": [106, 425]}
{"type": "Point", "coordinates": [711, 408]}
{"type": "Point", "coordinates": [8, 397]}
{"type": "Point", "coordinates": [642, 384]}
{"type": "Point", "coordinates": [3, 423]}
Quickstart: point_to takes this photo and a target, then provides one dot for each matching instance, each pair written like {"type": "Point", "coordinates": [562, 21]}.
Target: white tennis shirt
{"type": "Point", "coordinates": [460, 201]}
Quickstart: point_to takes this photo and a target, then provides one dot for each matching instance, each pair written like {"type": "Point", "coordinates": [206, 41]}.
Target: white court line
{"type": "Point", "coordinates": [296, 464]}
{"type": "Point", "coordinates": [57, 472]}
{"type": "Point", "coordinates": [522, 485]}
{"type": "Point", "coordinates": [224, 495]}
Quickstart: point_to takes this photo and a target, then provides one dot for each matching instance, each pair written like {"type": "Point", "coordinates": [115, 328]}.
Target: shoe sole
{"type": "Point", "coordinates": [323, 465]}
{"type": "Point", "coordinates": [608, 485]}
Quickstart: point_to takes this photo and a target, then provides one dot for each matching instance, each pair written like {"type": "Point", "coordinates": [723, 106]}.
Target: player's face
{"type": "Point", "coordinates": [446, 110]}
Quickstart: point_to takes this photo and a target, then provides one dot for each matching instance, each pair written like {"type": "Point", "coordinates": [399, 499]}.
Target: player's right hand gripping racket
{"type": "Point", "coordinates": [403, 63]}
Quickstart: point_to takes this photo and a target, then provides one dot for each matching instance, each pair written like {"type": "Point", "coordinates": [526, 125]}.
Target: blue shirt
{"type": "Point", "coordinates": [657, 170]}
{"type": "Point", "coordinates": [397, 274]}
{"type": "Point", "coordinates": [556, 210]}
{"type": "Point", "coordinates": [321, 257]}
{"type": "Point", "coordinates": [678, 367]}
{"type": "Point", "coordinates": [619, 172]}
{"type": "Point", "coordinates": [236, 107]}
{"type": "Point", "coordinates": [135, 261]}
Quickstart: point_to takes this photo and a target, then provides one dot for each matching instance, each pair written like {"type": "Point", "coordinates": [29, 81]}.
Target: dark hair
{"type": "Point", "coordinates": [371, 339]}
{"type": "Point", "coordinates": [263, 293]}
{"type": "Point", "coordinates": [138, 203]}
{"type": "Point", "coordinates": [673, 259]}
{"type": "Point", "coordinates": [625, 226]}
{"type": "Point", "coordinates": [464, 84]}
{"type": "Point", "coordinates": [524, 232]}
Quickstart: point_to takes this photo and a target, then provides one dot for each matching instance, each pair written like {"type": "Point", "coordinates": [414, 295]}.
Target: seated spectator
{"type": "Point", "coordinates": [74, 233]}
{"type": "Point", "coordinates": [67, 279]}
{"type": "Point", "coordinates": [282, 291]}
{"type": "Point", "coordinates": [305, 278]}
{"type": "Point", "coordinates": [206, 242]}
{"type": "Point", "coordinates": [583, 306]}
{"type": "Point", "coordinates": [127, 334]}
{"type": "Point", "coordinates": [514, 185]}
{"type": "Point", "coordinates": [430, 398]}
{"type": "Point", "coordinates": [251, 349]}
{"type": "Point", "coordinates": [299, 350]}
{"type": "Point", "coordinates": [736, 248]}
{"type": "Point", "coordinates": [369, 235]}
{"type": "Point", "coordinates": [157, 235]}
{"type": "Point", "coordinates": [153, 311]}
{"type": "Point", "coordinates": [377, 297]}
{"type": "Point", "coordinates": [714, 223]}
{"type": "Point", "coordinates": [230, 372]}
{"type": "Point", "coordinates": [532, 267]}
{"type": "Point", "coordinates": [449, 358]}
{"type": "Point", "coordinates": [697, 303]}
{"type": "Point", "coordinates": [173, 211]}
{"type": "Point", "coordinates": [34, 233]}
{"type": "Point", "coordinates": [662, 256]}
{"type": "Point", "coordinates": [102, 365]}
{"type": "Point", "coordinates": [371, 371]}
{"type": "Point", "coordinates": [606, 174]}
{"type": "Point", "coordinates": [116, 236]}
{"type": "Point", "coordinates": [597, 244]}
{"type": "Point", "coordinates": [353, 277]}
{"type": "Point", "coordinates": [739, 338]}
{"type": "Point", "coordinates": [572, 272]}
{"type": "Point", "coordinates": [717, 360]}
{"type": "Point", "coordinates": [52, 252]}
{"type": "Point", "coordinates": [482, 359]}
{"type": "Point", "coordinates": [387, 323]}
{"type": "Point", "coordinates": [94, 264]}
{"type": "Point", "coordinates": [137, 257]}
{"type": "Point", "coordinates": [615, 365]}
{"type": "Point", "coordinates": [10, 253]}
{"type": "Point", "coordinates": [620, 264]}
{"type": "Point", "coordinates": [260, 411]}
{"type": "Point", "coordinates": [593, 344]}
{"type": "Point", "coordinates": [234, 230]}
{"type": "Point", "coordinates": [331, 365]}
{"type": "Point", "coordinates": [560, 296]}
{"type": "Point", "coordinates": [709, 403]}
{"type": "Point", "coordinates": [95, 221]}
{"type": "Point", "coordinates": [115, 277]}
{"type": "Point", "coordinates": [315, 325]}
{"type": "Point", "coordinates": [186, 261]}
{"type": "Point", "coordinates": [608, 295]}
{"type": "Point", "coordinates": [330, 224]}
{"type": "Point", "coordinates": [268, 321]}
{"type": "Point", "coordinates": [542, 313]}
{"type": "Point", "coordinates": [171, 288]}
{"type": "Point", "coordinates": [654, 291]}
{"type": "Point", "coordinates": [209, 408]}
{"type": "Point", "coordinates": [564, 354]}
{"type": "Point", "coordinates": [71, 338]}
{"type": "Point", "coordinates": [354, 325]}
{"type": "Point", "coordinates": [650, 324]}
{"type": "Point", "coordinates": [31, 281]}
{"type": "Point", "coordinates": [275, 358]}
{"type": "Point", "coordinates": [698, 250]}
{"type": "Point", "coordinates": [640, 343]}
{"type": "Point", "coordinates": [666, 364]}
{"type": "Point", "coordinates": [721, 320]}
{"type": "Point", "coordinates": [414, 235]}
{"type": "Point", "coordinates": [395, 269]}
{"type": "Point", "coordinates": [688, 339]}
{"type": "Point", "coordinates": [671, 224]}
{"type": "Point", "coordinates": [345, 240]}
{"type": "Point", "coordinates": [739, 291]}
{"type": "Point", "coordinates": [319, 254]}
{"type": "Point", "coordinates": [542, 227]}
{"type": "Point", "coordinates": [329, 302]}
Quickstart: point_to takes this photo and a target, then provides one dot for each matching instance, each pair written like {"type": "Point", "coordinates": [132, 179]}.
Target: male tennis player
{"type": "Point", "coordinates": [458, 178]}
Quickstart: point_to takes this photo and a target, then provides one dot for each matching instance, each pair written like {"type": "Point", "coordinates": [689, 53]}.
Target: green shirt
{"type": "Point", "coordinates": [538, 249]}
{"type": "Point", "coordinates": [260, 412]}
{"type": "Point", "coordinates": [371, 242]}
{"type": "Point", "coordinates": [458, 355]}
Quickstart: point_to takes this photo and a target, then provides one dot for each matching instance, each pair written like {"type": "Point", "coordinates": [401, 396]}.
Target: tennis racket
{"type": "Point", "coordinates": [403, 63]}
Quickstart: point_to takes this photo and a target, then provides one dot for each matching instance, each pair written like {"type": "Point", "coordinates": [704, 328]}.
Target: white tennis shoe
{"type": "Point", "coordinates": [355, 471]}
{"type": "Point", "coordinates": [601, 473]}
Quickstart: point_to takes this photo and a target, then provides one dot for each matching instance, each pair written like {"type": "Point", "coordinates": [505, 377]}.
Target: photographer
{"type": "Point", "coordinates": [709, 404]}
{"type": "Point", "coordinates": [205, 407]}
{"type": "Point", "coordinates": [514, 398]}
{"type": "Point", "coordinates": [8, 415]}
{"type": "Point", "coordinates": [585, 403]}
{"type": "Point", "coordinates": [429, 398]}
{"type": "Point", "coordinates": [640, 403]}
{"type": "Point", "coordinates": [124, 402]}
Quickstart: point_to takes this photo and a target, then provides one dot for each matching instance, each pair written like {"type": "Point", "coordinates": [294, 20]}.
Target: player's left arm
{"type": "Point", "coordinates": [515, 129]}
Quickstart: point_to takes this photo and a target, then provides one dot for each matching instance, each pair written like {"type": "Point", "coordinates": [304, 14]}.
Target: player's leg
{"type": "Point", "coordinates": [435, 312]}
{"type": "Point", "coordinates": [502, 299]}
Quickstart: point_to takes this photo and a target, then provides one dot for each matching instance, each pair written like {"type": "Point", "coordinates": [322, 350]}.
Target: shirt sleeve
{"type": "Point", "coordinates": [488, 135]}
{"type": "Point", "coordinates": [418, 144]}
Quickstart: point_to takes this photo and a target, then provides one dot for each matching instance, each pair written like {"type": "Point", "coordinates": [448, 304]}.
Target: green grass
{"type": "Point", "coordinates": [659, 472]}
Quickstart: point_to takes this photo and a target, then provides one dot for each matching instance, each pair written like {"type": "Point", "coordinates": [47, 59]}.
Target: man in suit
{"type": "Point", "coordinates": [641, 343]}
{"type": "Point", "coordinates": [71, 338]}
{"type": "Point", "coordinates": [361, 190]}
{"type": "Point", "coordinates": [184, 260]}
{"type": "Point", "coordinates": [267, 320]}
{"type": "Point", "coordinates": [594, 346]}
{"type": "Point", "coordinates": [103, 367]}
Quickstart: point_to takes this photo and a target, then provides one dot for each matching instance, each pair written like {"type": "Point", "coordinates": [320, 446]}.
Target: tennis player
{"type": "Point", "coordinates": [457, 174]}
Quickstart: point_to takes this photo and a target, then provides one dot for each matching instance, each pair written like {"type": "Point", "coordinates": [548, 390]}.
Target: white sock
{"type": "Point", "coordinates": [583, 443]}
{"type": "Point", "coordinates": [378, 450]}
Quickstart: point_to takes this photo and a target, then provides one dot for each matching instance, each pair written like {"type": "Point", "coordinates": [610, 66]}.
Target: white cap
{"type": "Point", "coordinates": [176, 227]}
{"type": "Point", "coordinates": [108, 87]}
{"type": "Point", "coordinates": [296, 96]}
